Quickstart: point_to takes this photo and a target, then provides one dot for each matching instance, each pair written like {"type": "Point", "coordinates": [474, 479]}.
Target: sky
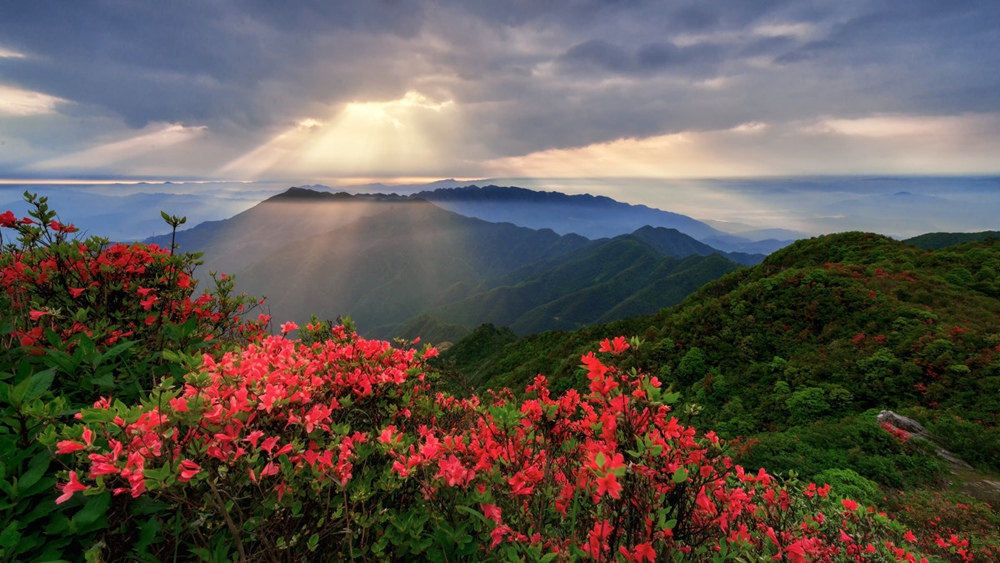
{"type": "Point", "coordinates": [348, 92]}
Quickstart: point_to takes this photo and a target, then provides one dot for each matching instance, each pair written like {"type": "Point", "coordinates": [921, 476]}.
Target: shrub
{"type": "Point", "coordinates": [287, 446]}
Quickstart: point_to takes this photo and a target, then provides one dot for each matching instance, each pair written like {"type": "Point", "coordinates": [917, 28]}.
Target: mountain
{"type": "Point", "coordinates": [398, 265]}
{"type": "Point", "coordinates": [602, 281]}
{"type": "Point", "coordinates": [671, 242]}
{"type": "Point", "coordinates": [591, 216]}
{"type": "Point", "coordinates": [935, 241]}
{"type": "Point", "coordinates": [853, 314]}
{"type": "Point", "coordinates": [230, 245]}
{"type": "Point", "coordinates": [800, 353]}
{"type": "Point", "coordinates": [385, 268]}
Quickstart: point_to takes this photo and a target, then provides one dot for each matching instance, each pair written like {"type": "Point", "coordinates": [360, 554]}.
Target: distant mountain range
{"type": "Point", "coordinates": [591, 216]}
{"type": "Point", "coordinates": [393, 262]}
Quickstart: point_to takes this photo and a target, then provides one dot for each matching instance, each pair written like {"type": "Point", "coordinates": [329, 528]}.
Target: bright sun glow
{"type": "Point", "coordinates": [359, 139]}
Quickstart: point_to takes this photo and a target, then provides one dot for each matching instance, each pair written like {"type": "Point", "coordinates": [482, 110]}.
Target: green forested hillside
{"type": "Point", "coordinates": [821, 335]}
{"type": "Point", "coordinates": [603, 281]}
{"type": "Point", "coordinates": [935, 241]}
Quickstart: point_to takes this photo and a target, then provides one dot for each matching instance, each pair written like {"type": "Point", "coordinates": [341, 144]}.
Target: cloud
{"type": "Point", "coordinates": [880, 144]}
{"type": "Point", "coordinates": [153, 140]}
{"type": "Point", "coordinates": [523, 77]}
{"type": "Point", "coordinates": [14, 101]}
{"type": "Point", "coordinates": [601, 56]}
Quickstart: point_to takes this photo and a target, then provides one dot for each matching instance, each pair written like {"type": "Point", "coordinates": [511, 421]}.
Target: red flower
{"type": "Point", "coordinates": [68, 489]}
{"type": "Point", "coordinates": [7, 219]}
{"type": "Point", "coordinates": [617, 346]}
{"type": "Point", "coordinates": [849, 504]}
{"type": "Point", "coordinates": [69, 446]}
{"type": "Point", "coordinates": [609, 484]}
{"type": "Point", "coordinates": [188, 470]}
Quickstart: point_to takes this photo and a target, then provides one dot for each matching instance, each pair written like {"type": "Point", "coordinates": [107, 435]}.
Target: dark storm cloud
{"type": "Point", "coordinates": [184, 61]}
{"type": "Point", "coordinates": [599, 55]}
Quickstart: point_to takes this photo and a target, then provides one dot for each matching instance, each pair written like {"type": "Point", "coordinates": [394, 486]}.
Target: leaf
{"type": "Point", "coordinates": [680, 475]}
{"type": "Point", "coordinates": [106, 381]}
{"type": "Point", "coordinates": [472, 512]}
{"type": "Point", "coordinates": [95, 507]}
{"type": "Point", "coordinates": [40, 383]}
{"type": "Point", "coordinates": [313, 542]}
{"type": "Point", "coordinates": [117, 350]}
{"type": "Point", "coordinates": [10, 536]}
{"type": "Point", "coordinates": [101, 416]}
{"type": "Point", "coordinates": [39, 464]}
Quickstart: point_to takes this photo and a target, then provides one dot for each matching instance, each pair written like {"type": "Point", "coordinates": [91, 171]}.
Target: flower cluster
{"type": "Point", "coordinates": [59, 292]}
{"type": "Point", "coordinates": [610, 475]}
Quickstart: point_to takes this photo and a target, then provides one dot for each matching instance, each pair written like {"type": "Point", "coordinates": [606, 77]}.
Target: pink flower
{"type": "Point", "coordinates": [188, 470]}
{"type": "Point", "coordinates": [289, 327]}
{"type": "Point", "coordinates": [68, 489]}
{"type": "Point", "coordinates": [179, 404]}
{"type": "Point", "coordinates": [35, 315]}
{"type": "Point", "coordinates": [69, 446]}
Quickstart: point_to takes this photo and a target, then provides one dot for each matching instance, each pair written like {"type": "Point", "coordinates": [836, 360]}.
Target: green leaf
{"type": "Point", "coordinates": [95, 507]}
{"type": "Point", "coordinates": [93, 415]}
{"type": "Point", "coordinates": [39, 383]}
{"type": "Point", "coordinates": [10, 536]}
{"type": "Point", "coordinates": [680, 475]}
{"type": "Point", "coordinates": [472, 512]}
{"type": "Point", "coordinates": [117, 350]}
{"type": "Point", "coordinates": [39, 464]}
{"type": "Point", "coordinates": [106, 381]}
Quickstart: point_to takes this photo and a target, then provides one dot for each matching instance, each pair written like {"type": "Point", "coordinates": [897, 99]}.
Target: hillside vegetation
{"type": "Point", "coordinates": [143, 420]}
{"type": "Point", "coordinates": [798, 355]}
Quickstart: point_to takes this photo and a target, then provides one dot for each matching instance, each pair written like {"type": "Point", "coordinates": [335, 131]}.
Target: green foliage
{"type": "Point", "coordinates": [806, 405]}
{"type": "Point", "coordinates": [936, 241]}
{"type": "Point", "coordinates": [825, 328]}
{"type": "Point", "coordinates": [856, 443]}
{"type": "Point", "coordinates": [847, 483]}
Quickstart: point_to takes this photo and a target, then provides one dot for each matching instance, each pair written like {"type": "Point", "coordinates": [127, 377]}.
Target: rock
{"type": "Point", "coordinates": [903, 423]}
{"type": "Point", "coordinates": [916, 430]}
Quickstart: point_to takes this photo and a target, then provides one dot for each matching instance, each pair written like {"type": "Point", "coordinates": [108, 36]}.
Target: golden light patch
{"type": "Point", "coordinates": [15, 101]}
{"type": "Point", "coordinates": [360, 139]}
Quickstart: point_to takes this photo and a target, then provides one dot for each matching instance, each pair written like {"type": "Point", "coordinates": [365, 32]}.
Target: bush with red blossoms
{"type": "Point", "coordinates": [80, 319]}
{"type": "Point", "coordinates": [89, 304]}
{"type": "Point", "coordinates": [338, 445]}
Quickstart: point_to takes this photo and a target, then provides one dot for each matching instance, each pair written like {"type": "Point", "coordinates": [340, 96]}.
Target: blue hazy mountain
{"type": "Point", "coordinates": [386, 261]}
{"type": "Point", "coordinates": [591, 216]}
